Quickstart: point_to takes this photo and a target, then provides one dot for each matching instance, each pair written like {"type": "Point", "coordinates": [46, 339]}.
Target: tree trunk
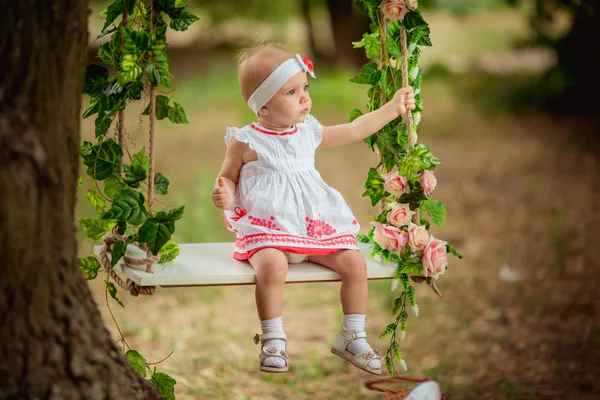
{"type": "Point", "coordinates": [348, 26]}
{"type": "Point", "coordinates": [53, 344]}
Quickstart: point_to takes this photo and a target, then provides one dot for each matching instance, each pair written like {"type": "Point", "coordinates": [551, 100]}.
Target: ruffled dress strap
{"type": "Point", "coordinates": [315, 127]}
{"type": "Point", "coordinates": [239, 135]}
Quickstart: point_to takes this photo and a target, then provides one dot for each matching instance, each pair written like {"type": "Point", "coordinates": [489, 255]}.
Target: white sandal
{"type": "Point", "coordinates": [271, 351]}
{"type": "Point", "coordinates": [361, 360]}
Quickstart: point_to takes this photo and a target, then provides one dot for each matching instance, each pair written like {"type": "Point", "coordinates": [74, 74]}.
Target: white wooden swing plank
{"type": "Point", "coordinates": [212, 264]}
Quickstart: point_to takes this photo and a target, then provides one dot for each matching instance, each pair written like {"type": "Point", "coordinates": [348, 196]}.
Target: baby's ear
{"type": "Point", "coordinates": [263, 111]}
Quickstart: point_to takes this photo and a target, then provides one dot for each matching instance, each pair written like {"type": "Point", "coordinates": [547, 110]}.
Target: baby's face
{"type": "Point", "coordinates": [291, 104]}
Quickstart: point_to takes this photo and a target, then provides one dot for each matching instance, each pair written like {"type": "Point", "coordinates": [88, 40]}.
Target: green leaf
{"type": "Point", "coordinates": [85, 149]}
{"type": "Point", "coordinates": [128, 206]}
{"type": "Point", "coordinates": [106, 53]}
{"type": "Point", "coordinates": [355, 113]}
{"type": "Point", "coordinates": [436, 210]}
{"type": "Point", "coordinates": [134, 174]}
{"type": "Point", "coordinates": [369, 74]}
{"type": "Point", "coordinates": [169, 252]}
{"type": "Point", "coordinates": [112, 289]}
{"type": "Point", "coordinates": [428, 160]}
{"type": "Point", "coordinates": [161, 108]}
{"type": "Point", "coordinates": [80, 181]}
{"type": "Point", "coordinates": [132, 74]}
{"type": "Point", "coordinates": [95, 80]}
{"type": "Point", "coordinates": [420, 36]}
{"type": "Point", "coordinates": [388, 330]}
{"type": "Point", "coordinates": [89, 267]}
{"type": "Point", "coordinates": [113, 185]}
{"type": "Point", "coordinates": [374, 186]}
{"type": "Point", "coordinates": [414, 19]}
{"type": "Point", "coordinates": [181, 19]}
{"type": "Point", "coordinates": [102, 123]}
{"type": "Point", "coordinates": [161, 184]}
{"type": "Point", "coordinates": [158, 76]}
{"type": "Point", "coordinates": [95, 228]}
{"type": "Point", "coordinates": [397, 305]}
{"type": "Point", "coordinates": [96, 200]}
{"type": "Point", "coordinates": [112, 12]}
{"type": "Point", "coordinates": [137, 362]}
{"type": "Point", "coordinates": [453, 251]}
{"type": "Point", "coordinates": [165, 384]}
{"type": "Point", "coordinates": [140, 159]}
{"type": "Point", "coordinates": [117, 253]}
{"type": "Point", "coordinates": [396, 350]}
{"type": "Point", "coordinates": [157, 231]}
{"type": "Point", "coordinates": [103, 159]}
{"type": "Point", "coordinates": [393, 49]}
{"type": "Point", "coordinates": [389, 365]}
{"type": "Point", "coordinates": [135, 41]}
{"type": "Point", "coordinates": [372, 45]}
{"type": "Point", "coordinates": [177, 114]}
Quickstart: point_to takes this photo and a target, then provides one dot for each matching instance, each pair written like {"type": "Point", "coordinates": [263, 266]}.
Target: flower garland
{"type": "Point", "coordinates": [404, 180]}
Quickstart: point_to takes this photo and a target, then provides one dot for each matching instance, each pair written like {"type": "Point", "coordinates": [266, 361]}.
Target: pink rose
{"type": "Point", "coordinates": [395, 184]}
{"type": "Point", "coordinates": [417, 237]}
{"type": "Point", "coordinates": [411, 4]}
{"type": "Point", "coordinates": [434, 258]}
{"type": "Point", "coordinates": [393, 10]}
{"type": "Point", "coordinates": [389, 237]}
{"type": "Point", "coordinates": [400, 214]}
{"type": "Point", "coordinates": [428, 182]}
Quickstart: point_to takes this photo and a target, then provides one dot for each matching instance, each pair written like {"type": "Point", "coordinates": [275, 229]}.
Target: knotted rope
{"type": "Point", "coordinates": [379, 385]}
{"type": "Point", "coordinates": [134, 289]}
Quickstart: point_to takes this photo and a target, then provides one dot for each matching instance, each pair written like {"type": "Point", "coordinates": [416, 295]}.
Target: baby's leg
{"type": "Point", "coordinates": [351, 266]}
{"type": "Point", "coordinates": [271, 270]}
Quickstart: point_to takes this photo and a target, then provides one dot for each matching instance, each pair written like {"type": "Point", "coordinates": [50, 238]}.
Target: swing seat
{"type": "Point", "coordinates": [212, 264]}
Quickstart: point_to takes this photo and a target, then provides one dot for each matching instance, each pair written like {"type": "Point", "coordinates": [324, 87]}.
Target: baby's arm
{"type": "Point", "coordinates": [226, 182]}
{"type": "Point", "coordinates": [366, 125]}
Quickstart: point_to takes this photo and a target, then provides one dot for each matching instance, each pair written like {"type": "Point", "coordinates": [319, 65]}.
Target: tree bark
{"type": "Point", "coordinates": [53, 344]}
{"type": "Point", "coordinates": [348, 26]}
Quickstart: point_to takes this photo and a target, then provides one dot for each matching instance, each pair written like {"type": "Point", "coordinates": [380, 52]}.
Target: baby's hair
{"type": "Point", "coordinates": [255, 64]}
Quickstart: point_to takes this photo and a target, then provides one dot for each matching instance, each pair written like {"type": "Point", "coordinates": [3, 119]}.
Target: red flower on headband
{"type": "Point", "coordinates": [308, 63]}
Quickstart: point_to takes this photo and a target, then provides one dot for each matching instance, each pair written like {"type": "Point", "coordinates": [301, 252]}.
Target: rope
{"type": "Point", "coordinates": [408, 115]}
{"type": "Point", "coordinates": [134, 289]}
{"type": "Point", "coordinates": [152, 118]}
{"type": "Point", "coordinates": [382, 97]}
{"type": "Point", "coordinates": [378, 385]}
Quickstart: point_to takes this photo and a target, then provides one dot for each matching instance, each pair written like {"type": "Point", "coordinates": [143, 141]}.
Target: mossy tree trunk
{"type": "Point", "coordinates": [53, 344]}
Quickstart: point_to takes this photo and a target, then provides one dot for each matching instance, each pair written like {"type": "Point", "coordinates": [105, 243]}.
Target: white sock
{"type": "Point", "coordinates": [356, 322]}
{"type": "Point", "coordinates": [273, 325]}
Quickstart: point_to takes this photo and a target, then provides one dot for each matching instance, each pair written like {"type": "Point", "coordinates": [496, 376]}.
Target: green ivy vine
{"type": "Point", "coordinates": [400, 153]}
{"type": "Point", "coordinates": [123, 185]}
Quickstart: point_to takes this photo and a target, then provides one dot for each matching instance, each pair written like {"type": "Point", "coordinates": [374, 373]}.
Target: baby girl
{"type": "Point", "coordinates": [281, 209]}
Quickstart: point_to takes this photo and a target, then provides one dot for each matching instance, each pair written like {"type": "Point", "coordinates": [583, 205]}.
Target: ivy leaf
{"type": "Point", "coordinates": [177, 114]}
{"type": "Point", "coordinates": [374, 186]}
{"type": "Point", "coordinates": [157, 231]}
{"type": "Point", "coordinates": [106, 53]}
{"type": "Point", "coordinates": [157, 76]}
{"type": "Point", "coordinates": [396, 350]}
{"type": "Point", "coordinates": [80, 181]}
{"type": "Point", "coordinates": [393, 49]}
{"type": "Point", "coordinates": [103, 159]}
{"type": "Point", "coordinates": [112, 12]}
{"type": "Point", "coordinates": [85, 148]}
{"type": "Point", "coordinates": [420, 36]}
{"type": "Point", "coordinates": [372, 45]}
{"type": "Point", "coordinates": [355, 113]}
{"type": "Point", "coordinates": [161, 108]}
{"type": "Point", "coordinates": [169, 252]}
{"type": "Point", "coordinates": [117, 253]}
{"type": "Point", "coordinates": [181, 19]}
{"type": "Point", "coordinates": [112, 289]}
{"type": "Point", "coordinates": [369, 74]}
{"type": "Point", "coordinates": [161, 184]}
{"type": "Point", "coordinates": [428, 160]}
{"type": "Point", "coordinates": [129, 73]}
{"type": "Point", "coordinates": [414, 19]}
{"type": "Point", "coordinates": [96, 200]}
{"type": "Point", "coordinates": [134, 174]}
{"type": "Point", "coordinates": [95, 80]}
{"type": "Point", "coordinates": [113, 185]}
{"type": "Point", "coordinates": [102, 123]}
{"type": "Point", "coordinates": [164, 384]}
{"type": "Point", "coordinates": [137, 362]}
{"type": "Point", "coordinates": [89, 267]}
{"type": "Point", "coordinates": [140, 159]}
{"type": "Point", "coordinates": [95, 228]}
{"type": "Point", "coordinates": [389, 365]}
{"type": "Point", "coordinates": [135, 41]}
{"type": "Point", "coordinates": [128, 206]}
{"type": "Point", "coordinates": [410, 167]}
{"type": "Point", "coordinates": [453, 251]}
{"type": "Point", "coordinates": [436, 210]}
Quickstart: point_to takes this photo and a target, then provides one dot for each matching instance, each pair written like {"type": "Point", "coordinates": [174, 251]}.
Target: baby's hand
{"type": "Point", "coordinates": [404, 100]}
{"type": "Point", "coordinates": [221, 195]}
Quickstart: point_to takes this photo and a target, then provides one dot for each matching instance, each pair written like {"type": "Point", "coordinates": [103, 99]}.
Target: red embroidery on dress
{"type": "Point", "coordinates": [240, 212]}
{"type": "Point", "coordinates": [263, 222]}
{"type": "Point", "coordinates": [271, 238]}
{"type": "Point", "coordinates": [318, 227]}
{"type": "Point", "coordinates": [256, 128]}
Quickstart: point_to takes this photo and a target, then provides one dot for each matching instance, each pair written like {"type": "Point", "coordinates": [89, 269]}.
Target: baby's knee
{"type": "Point", "coordinates": [355, 266]}
{"type": "Point", "coordinates": [273, 271]}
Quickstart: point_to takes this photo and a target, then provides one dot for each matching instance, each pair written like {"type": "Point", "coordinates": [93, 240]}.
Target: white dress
{"type": "Point", "coordinates": [281, 200]}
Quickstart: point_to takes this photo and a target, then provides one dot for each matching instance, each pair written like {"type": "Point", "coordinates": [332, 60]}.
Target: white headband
{"type": "Point", "coordinates": [277, 79]}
